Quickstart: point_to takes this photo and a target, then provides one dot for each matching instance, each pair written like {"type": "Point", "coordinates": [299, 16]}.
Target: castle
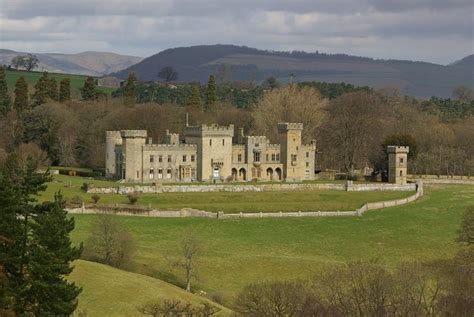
{"type": "Point", "coordinates": [209, 154]}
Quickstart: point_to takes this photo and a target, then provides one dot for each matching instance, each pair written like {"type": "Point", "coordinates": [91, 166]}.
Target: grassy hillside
{"type": "Point", "coordinates": [238, 252]}
{"type": "Point", "coordinates": [77, 81]}
{"type": "Point", "coordinates": [111, 292]}
{"type": "Point", "coordinates": [228, 201]}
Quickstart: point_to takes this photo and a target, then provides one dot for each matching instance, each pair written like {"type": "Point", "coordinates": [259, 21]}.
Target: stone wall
{"type": "Point", "coordinates": [187, 212]}
{"type": "Point", "coordinates": [249, 188]}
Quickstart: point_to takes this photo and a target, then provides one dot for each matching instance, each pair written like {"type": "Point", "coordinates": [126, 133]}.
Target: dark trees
{"type": "Point", "coordinates": [65, 90]}
{"type": "Point", "coordinates": [21, 95]}
{"type": "Point", "coordinates": [168, 74]}
{"type": "Point", "coordinates": [30, 62]}
{"type": "Point", "coordinates": [211, 94]}
{"type": "Point", "coordinates": [88, 91]}
{"type": "Point", "coordinates": [42, 88]}
{"type": "Point", "coordinates": [130, 90]}
{"type": "Point", "coordinates": [5, 101]}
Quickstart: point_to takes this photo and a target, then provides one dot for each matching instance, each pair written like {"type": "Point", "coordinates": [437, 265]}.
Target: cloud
{"type": "Point", "coordinates": [413, 29]}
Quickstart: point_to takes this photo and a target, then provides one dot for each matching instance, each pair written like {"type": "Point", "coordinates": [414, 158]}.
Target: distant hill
{"type": "Point", "coordinates": [85, 63]}
{"type": "Point", "coordinates": [195, 63]}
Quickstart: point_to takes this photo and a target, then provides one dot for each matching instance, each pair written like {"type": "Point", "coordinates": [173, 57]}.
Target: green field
{"type": "Point", "coordinates": [238, 252]}
{"type": "Point", "coordinates": [228, 201]}
{"type": "Point", "coordinates": [77, 81]}
{"type": "Point", "coordinates": [111, 292]}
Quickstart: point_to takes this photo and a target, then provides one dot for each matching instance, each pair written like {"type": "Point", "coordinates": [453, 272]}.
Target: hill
{"type": "Point", "coordinates": [111, 292]}
{"type": "Point", "coordinates": [85, 63]}
{"type": "Point", "coordinates": [195, 63]}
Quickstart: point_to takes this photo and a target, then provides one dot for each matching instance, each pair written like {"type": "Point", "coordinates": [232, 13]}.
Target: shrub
{"type": "Point", "coordinates": [95, 198]}
{"type": "Point", "coordinates": [85, 187]}
{"type": "Point", "coordinates": [77, 200]}
{"type": "Point", "coordinates": [133, 197]}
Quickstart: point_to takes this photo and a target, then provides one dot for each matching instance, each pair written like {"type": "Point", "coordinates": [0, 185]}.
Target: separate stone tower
{"type": "Point", "coordinates": [397, 164]}
{"type": "Point", "coordinates": [113, 140]}
{"type": "Point", "coordinates": [291, 151]}
{"type": "Point", "coordinates": [132, 149]}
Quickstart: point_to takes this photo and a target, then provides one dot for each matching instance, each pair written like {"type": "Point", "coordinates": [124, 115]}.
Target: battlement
{"type": "Point", "coordinates": [285, 126]}
{"type": "Point", "coordinates": [210, 130]}
{"type": "Point", "coordinates": [273, 146]}
{"type": "Point", "coordinates": [169, 147]}
{"type": "Point", "coordinates": [133, 133]}
{"type": "Point", "coordinates": [397, 149]}
{"type": "Point", "coordinates": [113, 134]}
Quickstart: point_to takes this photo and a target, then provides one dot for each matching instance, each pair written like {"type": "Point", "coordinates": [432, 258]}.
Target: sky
{"type": "Point", "coordinates": [438, 31]}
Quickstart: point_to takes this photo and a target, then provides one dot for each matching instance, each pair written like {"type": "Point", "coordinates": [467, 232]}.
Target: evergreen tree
{"type": "Point", "coordinates": [41, 90]}
{"type": "Point", "coordinates": [5, 101]}
{"type": "Point", "coordinates": [211, 96]}
{"type": "Point", "coordinates": [194, 101]}
{"type": "Point", "coordinates": [130, 90]}
{"type": "Point", "coordinates": [89, 90]}
{"type": "Point", "coordinates": [50, 261]}
{"type": "Point", "coordinates": [21, 95]}
{"type": "Point", "coordinates": [52, 89]}
{"type": "Point", "coordinates": [65, 90]}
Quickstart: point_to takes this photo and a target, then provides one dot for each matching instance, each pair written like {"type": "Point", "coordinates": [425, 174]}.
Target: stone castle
{"type": "Point", "coordinates": [208, 154]}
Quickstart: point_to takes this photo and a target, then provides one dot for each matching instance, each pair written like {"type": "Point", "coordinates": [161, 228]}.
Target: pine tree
{"type": "Point", "coordinates": [51, 256]}
{"type": "Point", "coordinates": [5, 101]}
{"type": "Point", "coordinates": [52, 89]}
{"type": "Point", "coordinates": [130, 90]}
{"type": "Point", "coordinates": [211, 97]}
{"type": "Point", "coordinates": [21, 95]}
{"type": "Point", "coordinates": [41, 90]}
{"type": "Point", "coordinates": [65, 90]}
{"type": "Point", "coordinates": [194, 101]}
{"type": "Point", "coordinates": [89, 90]}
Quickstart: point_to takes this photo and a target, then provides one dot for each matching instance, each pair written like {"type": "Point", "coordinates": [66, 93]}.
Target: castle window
{"type": "Point", "coordinates": [239, 157]}
{"type": "Point", "coordinates": [256, 144]}
{"type": "Point", "coordinates": [160, 173]}
{"type": "Point", "coordinates": [293, 157]}
{"type": "Point", "coordinates": [160, 158]}
{"type": "Point", "coordinates": [267, 157]}
{"type": "Point", "coordinates": [152, 158]}
{"type": "Point", "coordinates": [401, 173]}
{"type": "Point", "coordinates": [168, 173]}
{"type": "Point", "coordinates": [259, 173]}
{"type": "Point", "coordinates": [169, 158]}
{"type": "Point", "coordinates": [307, 154]}
{"type": "Point", "coordinates": [307, 164]}
{"type": "Point", "coordinates": [401, 160]}
{"type": "Point", "coordinates": [277, 157]}
{"type": "Point", "coordinates": [273, 156]}
{"type": "Point", "coordinates": [223, 142]}
{"type": "Point", "coordinates": [152, 174]}
{"type": "Point", "coordinates": [192, 158]}
{"type": "Point", "coordinates": [256, 156]}
{"type": "Point", "coordinates": [210, 142]}
{"type": "Point", "coordinates": [184, 158]}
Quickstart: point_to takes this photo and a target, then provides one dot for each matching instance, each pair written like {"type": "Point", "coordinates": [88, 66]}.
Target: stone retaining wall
{"type": "Point", "coordinates": [248, 188]}
{"type": "Point", "coordinates": [187, 212]}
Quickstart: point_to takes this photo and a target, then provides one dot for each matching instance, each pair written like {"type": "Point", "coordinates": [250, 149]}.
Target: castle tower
{"type": "Point", "coordinates": [214, 150]}
{"type": "Point", "coordinates": [291, 152]}
{"type": "Point", "coordinates": [397, 164]}
{"type": "Point", "coordinates": [171, 138]}
{"type": "Point", "coordinates": [113, 139]}
{"type": "Point", "coordinates": [132, 149]}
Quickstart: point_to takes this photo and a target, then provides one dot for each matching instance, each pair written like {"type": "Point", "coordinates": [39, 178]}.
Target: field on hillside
{"type": "Point", "coordinates": [238, 252]}
{"type": "Point", "coordinates": [228, 201]}
{"type": "Point", "coordinates": [107, 291]}
{"type": "Point", "coordinates": [77, 81]}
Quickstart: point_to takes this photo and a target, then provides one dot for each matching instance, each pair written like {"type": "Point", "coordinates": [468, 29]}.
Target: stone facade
{"type": "Point", "coordinates": [397, 164]}
{"type": "Point", "coordinates": [208, 154]}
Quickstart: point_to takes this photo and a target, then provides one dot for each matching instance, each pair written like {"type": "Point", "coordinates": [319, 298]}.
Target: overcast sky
{"type": "Point", "coordinates": [439, 31]}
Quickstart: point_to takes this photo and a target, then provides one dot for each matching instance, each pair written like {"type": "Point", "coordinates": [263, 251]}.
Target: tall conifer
{"type": "Point", "coordinates": [130, 90]}
{"type": "Point", "coordinates": [65, 90]}
{"type": "Point", "coordinates": [89, 89]}
{"type": "Point", "coordinates": [41, 90]}
{"type": "Point", "coordinates": [211, 96]}
{"type": "Point", "coordinates": [194, 101]}
{"type": "Point", "coordinates": [53, 89]}
{"type": "Point", "coordinates": [21, 95]}
{"type": "Point", "coordinates": [5, 100]}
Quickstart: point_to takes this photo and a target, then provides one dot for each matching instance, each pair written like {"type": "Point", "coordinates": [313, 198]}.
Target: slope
{"type": "Point", "coordinates": [111, 292]}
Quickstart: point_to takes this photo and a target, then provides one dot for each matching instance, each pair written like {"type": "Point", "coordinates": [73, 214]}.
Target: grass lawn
{"type": "Point", "coordinates": [228, 201]}
{"type": "Point", "coordinates": [77, 81]}
{"type": "Point", "coordinates": [241, 251]}
{"type": "Point", "coordinates": [111, 292]}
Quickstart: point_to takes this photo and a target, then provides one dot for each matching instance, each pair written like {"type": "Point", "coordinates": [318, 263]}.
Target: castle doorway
{"type": "Point", "coordinates": [270, 173]}
{"type": "Point", "coordinates": [243, 174]}
{"type": "Point", "coordinates": [234, 174]}
{"type": "Point", "coordinates": [278, 173]}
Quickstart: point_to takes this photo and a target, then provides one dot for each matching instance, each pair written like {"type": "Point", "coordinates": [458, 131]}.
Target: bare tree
{"type": "Point", "coordinates": [17, 61]}
{"type": "Point", "coordinates": [109, 242]}
{"type": "Point", "coordinates": [168, 74]}
{"type": "Point", "coordinates": [30, 62]}
{"type": "Point", "coordinates": [290, 104]}
{"type": "Point", "coordinates": [190, 248]}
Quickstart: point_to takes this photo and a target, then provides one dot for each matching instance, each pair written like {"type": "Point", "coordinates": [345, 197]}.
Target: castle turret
{"type": "Point", "coordinates": [171, 138]}
{"type": "Point", "coordinates": [132, 148]}
{"type": "Point", "coordinates": [291, 152]}
{"type": "Point", "coordinates": [113, 153]}
{"type": "Point", "coordinates": [397, 164]}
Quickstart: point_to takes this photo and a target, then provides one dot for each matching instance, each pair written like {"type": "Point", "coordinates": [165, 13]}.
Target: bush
{"type": "Point", "coordinates": [85, 187]}
{"type": "Point", "coordinates": [77, 200]}
{"type": "Point", "coordinates": [95, 198]}
{"type": "Point", "coordinates": [133, 197]}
